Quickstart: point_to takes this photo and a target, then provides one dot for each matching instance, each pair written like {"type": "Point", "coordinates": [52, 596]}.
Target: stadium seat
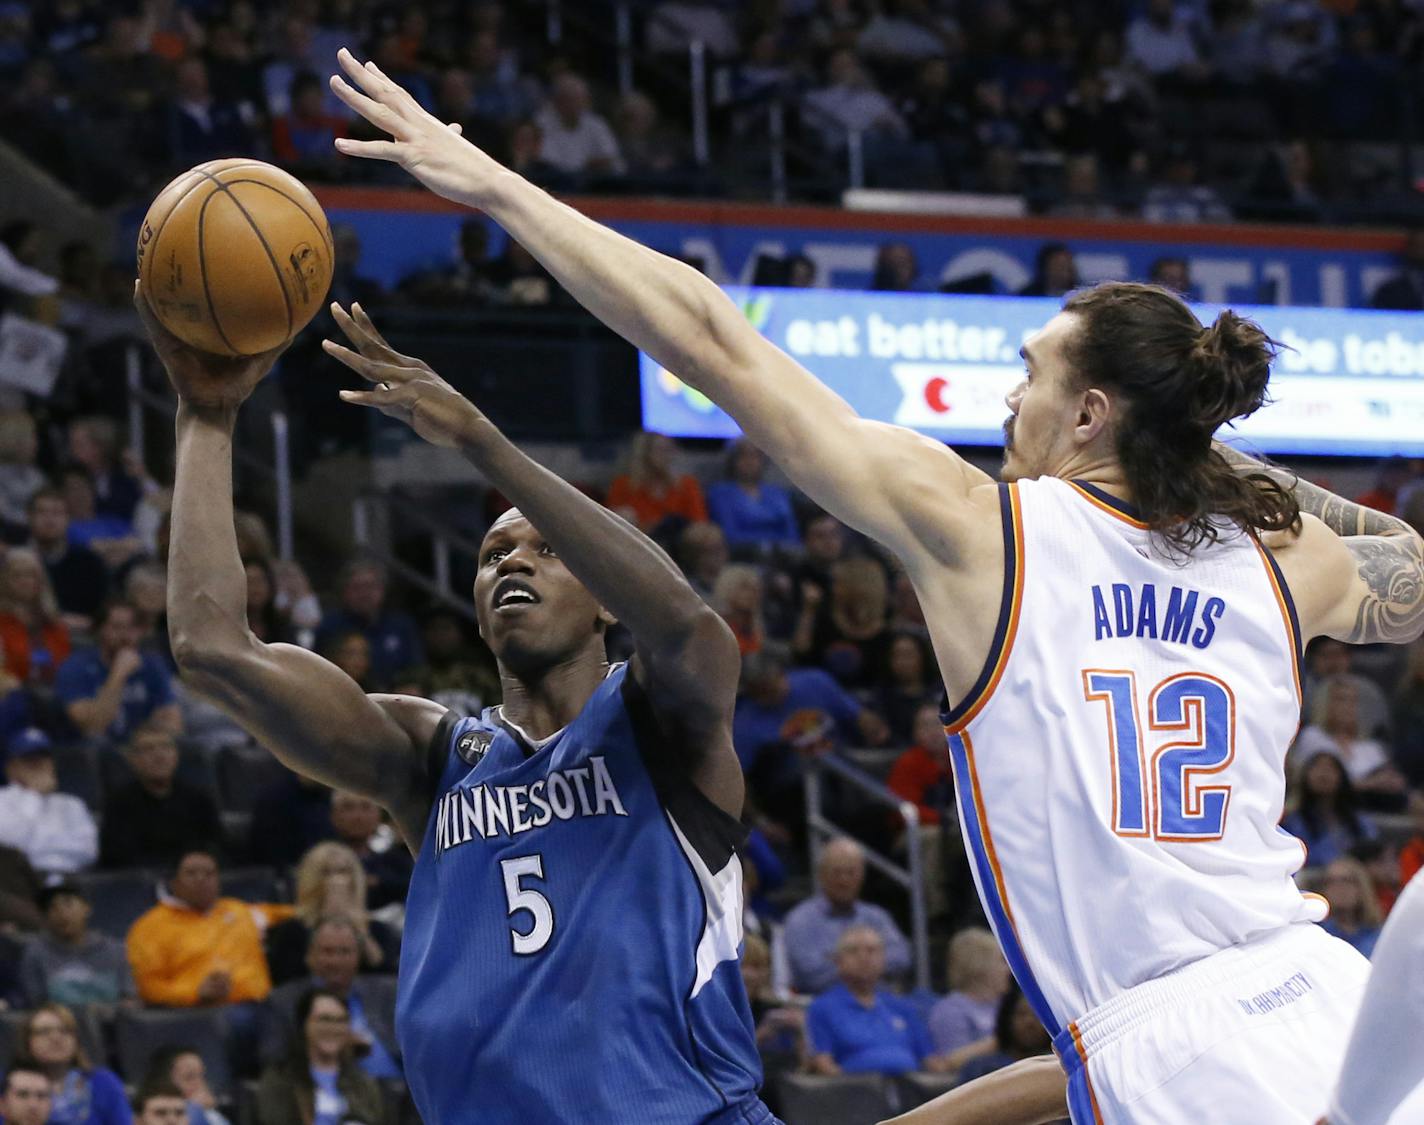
{"type": "Point", "coordinates": [10, 1036]}
{"type": "Point", "coordinates": [246, 1103]}
{"type": "Point", "coordinates": [243, 772]}
{"type": "Point", "coordinates": [844, 1099]}
{"type": "Point", "coordinates": [118, 898]}
{"type": "Point", "coordinates": [918, 1087]}
{"type": "Point", "coordinates": [252, 884]}
{"type": "Point", "coordinates": [142, 1031]}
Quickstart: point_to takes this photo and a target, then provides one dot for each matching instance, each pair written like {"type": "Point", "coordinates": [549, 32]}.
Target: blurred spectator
{"type": "Point", "coordinates": [1335, 729]}
{"type": "Point", "coordinates": [26, 1098]}
{"type": "Point", "coordinates": [962, 1024]}
{"type": "Point", "coordinates": [320, 1083]}
{"type": "Point", "coordinates": [1173, 273]}
{"type": "Point", "coordinates": [849, 102]}
{"type": "Point", "coordinates": [1094, 121]}
{"type": "Point", "coordinates": [856, 1026]}
{"type": "Point", "coordinates": [1283, 187]}
{"type": "Point", "coordinates": [1327, 659]}
{"type": "Point", "coordinates": [33, 636]}
{"type": "Point", "coordinates": [111, 689]}
{"type": "Point", "coordinates": [289, 817]}
{"type": "Point", "coordinates": [155, 817]}
{"type": "Point", "coordinates": [922, 774]}
{"type": "Point", "coordinates": [294, 54]}
{"type": "Point", "coordinates": [470, 280]}
{"type": "Point", "coordinates": [674, 25]}
{"type": "Point", "coordinates": [110, 537]}
{"type": "Point", "coordinates": [825, 541]}
{"type": "Point", "coordinates": [749, 510]}
{"type": "Point", "coordinates": [1409, 717]}
{"type": "Point", "coordinates": [266, 620]}
{"type": "Point", "coordinates": [1381, 863]}
{"type": "Point", "coordinates": [1323, 813]}
{"type": "Point", "coordinates": [69, 963]}
{"type": "Point", "coordinates": [576, 140]}
{"type": "Point", "coordinates": [458, 671]}
{"type": "Point", "coordinates": [1054, 273]}
{"type": "Point", "coordinates": [1411, 853]}
{"type": "Point", "coordinates": [907, 687]}
{"type": "Point", "coordinates": [814, 927]}
{"type": "Point", "coordinates": [498, 92]}
{"type": "Point", "coordinates": [77, 574]}
{"type": "Point", "coordinates": [1018, 1035]}
{"type": "Point", "coordinates": [1180, 196]}
{"type": "Point", "coordinates": [349, 286]}
{"type": "Point", "coordinates": [1393, 474]}
{"type": "Point", "coordinates": [160, 1104]}
{"type": "Point", "coordinates": [146, 590]}
{"type": "Point", "coordinates": [897, 269]}
{"type": "Point", "coordinates": [19, 478]}
{"type": "Point", "coordinates": [358, 823]}
{"type": "Point", "coordinates": [56, 831]}
{"type": "Point", "coordinates": [118, 477]}
{"type": "Point", "coordinates": [19, 891]}
{"type": "Point", "coordinates": [1234, 45]}
{"type": "Point", "coordinates": [1354, 909]}
{"type": "Point", "coordinates": [199, 127]}
{"type": "Point", "coordinates": [197, 948]}
{"type": "Point", "coordinates": [651, 493]}
{"type": "Point", "coordinates": [391, 634]}
{"type": "Point", "coordinates": [702, 554]}
{"type": "Point", "coordinates": [906, 614]}
{"type": "Point", "coordinates": [737, 597]}
{"type": "Point", "coordinates": [82, 1094]}
{"type": "Point", "coordinates": [1082, 191]}
{"type": "Point", "coordinates": [1405, 290]}
{"type": "Point", "coordinates": [780, 1027]}
{"type": "Point", "coordinates": [332, 958]}
{"type": "Point", "coordinates": [785, 715]}
{"type": "Point", "coordinates": [653, 154]}
{"type": "Point", "coordinates": [330, 883]}
{"type": "Point", "coordinates": [1160, 41]}
{"type": "Point", "coordinates": [303, 138]}
{"type": "Point", "coordinates": [185, 1070]}
{"type": "Point", "coordinates": [851, 636]}
{"type": "Point", "coordinates": [19, 251]}
{"type": "Point", "coordinates": [351, 652]}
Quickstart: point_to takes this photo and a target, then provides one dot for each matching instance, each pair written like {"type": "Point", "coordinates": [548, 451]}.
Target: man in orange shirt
{"type": "Point", "coordinates": [198, 949]}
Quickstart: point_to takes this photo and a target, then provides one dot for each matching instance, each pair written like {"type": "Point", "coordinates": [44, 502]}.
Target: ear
{"type": "Point", "coordinates": [605, 619]}
{"type": "Point", "coordinates": [1095, 413]}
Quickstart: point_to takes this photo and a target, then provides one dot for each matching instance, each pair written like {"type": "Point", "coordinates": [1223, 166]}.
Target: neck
{"type": "Point", "coordinates": [156, 787]}
{"type": "Point", "coordinates": [547, 702]}
{"type": "Point", "coordinates": [326, 1060]}
{"type": "Point", "coordinates": [862, 991]}
{"type": "Point", "coordinates": [69, 939]}
{"type": "Point", "coordinates": [56, 1071]}
{"type": "Point", "coordinates": [1095, 469]}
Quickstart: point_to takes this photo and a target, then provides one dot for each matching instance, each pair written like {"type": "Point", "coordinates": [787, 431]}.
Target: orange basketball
{"type": "Point", "coordinates": [235, 257]}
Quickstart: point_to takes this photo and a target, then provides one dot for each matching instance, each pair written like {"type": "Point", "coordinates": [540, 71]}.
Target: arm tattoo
{"type": "Point", "coordinates": [1392, 567]}
{"type": "Point", "coordinates": [1388, 554]}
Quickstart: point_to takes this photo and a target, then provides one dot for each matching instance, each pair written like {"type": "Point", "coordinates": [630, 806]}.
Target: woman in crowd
{"type": "Point", "coordinates": [651, 492]}
{"type": "Point", "coordinates": [780, 1027]}
{"type": "Point", "coordinates": [1354, 909]}
{"type": "Point", "coordinates": [320, 1083]}
{"type": "Point", "coordinates": [962, 1025]}
{"type": "Point", "coordinates": [1324, 814]}
{"type": "Point", "coordinates": [1017, 1036]}
{"type": "Point", "coordinates": [851, 636]}
{"type": "Point", "coordinates": [83, 1094]}
{"type": "Point", "coordinates": [1335, 729]}
{"type": "Point", "coordinates": [906, 686]}
{"type": "Point", "coordinates": [33, 635]}
{"type": "Point", "coordinates": [751, 512]}
{"type": "Point", "coordinates": [267, 622]}
{"type": "Point", "coordinates": [20, 479]}
{"type": "Point", "coordinates": [330, 881]}
{"type": "Point", "coordinates": [185, 1068]}
{"type": "Point", "coordinates": [737, 597]}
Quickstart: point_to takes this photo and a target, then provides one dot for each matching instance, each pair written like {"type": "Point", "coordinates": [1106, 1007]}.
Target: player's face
{"type": "Point", "coordinates": [26, 1100]}
{"type": "Point", "coordinates": [532, 611]}
{"type": "Point", "coordinates": [1044, 407]}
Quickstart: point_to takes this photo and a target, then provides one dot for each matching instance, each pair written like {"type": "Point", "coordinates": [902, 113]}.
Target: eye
{"type": "Point", "coordinates": [548, 550]}
{"type": "Point", "coordinates": [495, 555]}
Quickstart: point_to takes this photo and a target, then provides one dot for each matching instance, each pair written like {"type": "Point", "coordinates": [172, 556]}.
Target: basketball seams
{"type": "Point", "coordinates": [162, 223]}
{"type": "Point", "coordinates": [203, 273]}
{"type": "Point", "coordinates": [322, 228]}
{"type": "Point", "coordinates": [271, 257]}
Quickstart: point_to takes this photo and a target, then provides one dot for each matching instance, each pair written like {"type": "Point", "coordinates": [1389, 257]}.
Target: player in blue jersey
{"type": "Point", "coordinates": [574, 920]}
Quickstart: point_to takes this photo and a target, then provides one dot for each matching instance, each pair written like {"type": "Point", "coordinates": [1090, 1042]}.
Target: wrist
{"type": "Point", "coordinates": [501, 191]}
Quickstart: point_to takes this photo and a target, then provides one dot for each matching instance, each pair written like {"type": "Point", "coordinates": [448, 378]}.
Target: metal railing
{"type": "Point", "coordinates": [372, 516]}
{"type": "Point", "coordinates": [911, 877]}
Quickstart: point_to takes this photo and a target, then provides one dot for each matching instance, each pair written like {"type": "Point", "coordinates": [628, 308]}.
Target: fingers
{"type": "Point", "coordinates": [162, 339]}
{"type": "Point", "coordinates": [371, 370]}
{"type": "Point", "coordinates": [358, 314]}
{"type": "Point", "coordinates": [377, 398]}
{"type": "Point", "coordinates": [370, 150]}
{"type": "Point", "coordinates": [381, 116]}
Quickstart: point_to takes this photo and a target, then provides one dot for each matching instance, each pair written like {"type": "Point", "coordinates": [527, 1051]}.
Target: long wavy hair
{"type": "Point", "coordinates": [1180, 383]}
{"type": "Point", "coordinates": [311, 880]}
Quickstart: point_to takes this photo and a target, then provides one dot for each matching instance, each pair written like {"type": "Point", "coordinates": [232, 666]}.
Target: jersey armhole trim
{"type": "Point", "coordinates": [1287, 607]}
{"type": "Point", "coordinates": [437, 753]}
{"type": "Point", "coordinates": [960, 716]}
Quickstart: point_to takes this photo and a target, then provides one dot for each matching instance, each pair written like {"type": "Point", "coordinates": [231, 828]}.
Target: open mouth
{"type": "Point", "coordinates": [511, 593]}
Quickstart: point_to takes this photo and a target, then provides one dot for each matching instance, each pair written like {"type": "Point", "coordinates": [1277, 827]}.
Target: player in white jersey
{"type": "Point", "coordinates": [1122, 651]}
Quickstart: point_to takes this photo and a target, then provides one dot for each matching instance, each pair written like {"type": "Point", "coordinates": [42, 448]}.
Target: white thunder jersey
{"type": "Point", "coordinates": [1120, 763]}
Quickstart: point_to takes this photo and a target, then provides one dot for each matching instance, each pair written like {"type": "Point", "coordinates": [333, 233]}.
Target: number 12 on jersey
{"type": "Point", "coordinates": [1158, 793]}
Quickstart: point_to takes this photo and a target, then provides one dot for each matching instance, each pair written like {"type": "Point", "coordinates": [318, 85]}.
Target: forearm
{"type": "Point", "coordinates": [624, 570]}
{"type": "Point", "coordinates": [1028, 1093]}
{"type": "Point", "coordinates": [207, 586]}
{"type": "Point", "coordinates": [94, 715]}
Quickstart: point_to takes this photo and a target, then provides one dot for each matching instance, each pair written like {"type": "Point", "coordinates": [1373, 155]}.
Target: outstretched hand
{"type": "Point", "coordinates": [405, 387]}
{"type": "Point", "coordinates": [430, 150]}
{"type": "Point", "coordinates": [204, 380]}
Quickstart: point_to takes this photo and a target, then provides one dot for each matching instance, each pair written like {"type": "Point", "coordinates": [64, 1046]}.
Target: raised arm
{"type": "Point", "coordinates": [1356, 574]}
{"type": "Point", "coordinates": [308, 712]}
{"type": "Point", "coordinates": [887, 481]}
{"type": "Point", "coordinates": [686, 655]}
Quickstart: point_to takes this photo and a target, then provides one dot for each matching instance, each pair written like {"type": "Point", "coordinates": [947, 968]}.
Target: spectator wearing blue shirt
{"type": "Point", "coordinates": [962, 1024]}
{"type": "Point", "coordinates": [751, 512]}
{"type": "Point", "coordinates": [1324, 814]}
{"type": "Point", "coordinates": [1354, 907]}
{"type": "Point", "coordinates": [109, 535]}
{"type": "Point", "coordinates": [1018, 1035]}
{"type": "Point", "coordinates": [82, 1094]}
{"type": "Point", "coordinates": [858, 1027]}
{"type": "Point", "coordinates": [110, 690]}
{"type": "Point", "coordinates": [392, 635]}
{"type": "Point", "coordinates": [815, 928]}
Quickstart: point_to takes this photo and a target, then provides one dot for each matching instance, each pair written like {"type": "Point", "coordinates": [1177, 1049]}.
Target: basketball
{"type": "Point", "coordinates": [235, 257]}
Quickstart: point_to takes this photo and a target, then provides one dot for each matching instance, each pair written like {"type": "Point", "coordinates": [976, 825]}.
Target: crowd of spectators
{"type": "Point", "coordinates": [1170, 109]}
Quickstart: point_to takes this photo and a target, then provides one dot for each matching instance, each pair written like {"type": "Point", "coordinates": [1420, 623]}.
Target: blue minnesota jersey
{"type": "Point", "coordinates": [572, 931]}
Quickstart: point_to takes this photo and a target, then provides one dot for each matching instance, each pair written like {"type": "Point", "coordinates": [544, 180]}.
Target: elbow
{"type": "Point", "coordinates": [202, 664]}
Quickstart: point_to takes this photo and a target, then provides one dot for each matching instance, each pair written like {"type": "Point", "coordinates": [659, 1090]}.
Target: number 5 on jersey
{"type": "Point", "coordinates": [1176, 807]}
{"type": "Point", "coordinates": [521, 897]}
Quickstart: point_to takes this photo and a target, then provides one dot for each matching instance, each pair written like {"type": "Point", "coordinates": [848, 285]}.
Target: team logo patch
{"type": "Point", "coordinates": [472, 745]}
